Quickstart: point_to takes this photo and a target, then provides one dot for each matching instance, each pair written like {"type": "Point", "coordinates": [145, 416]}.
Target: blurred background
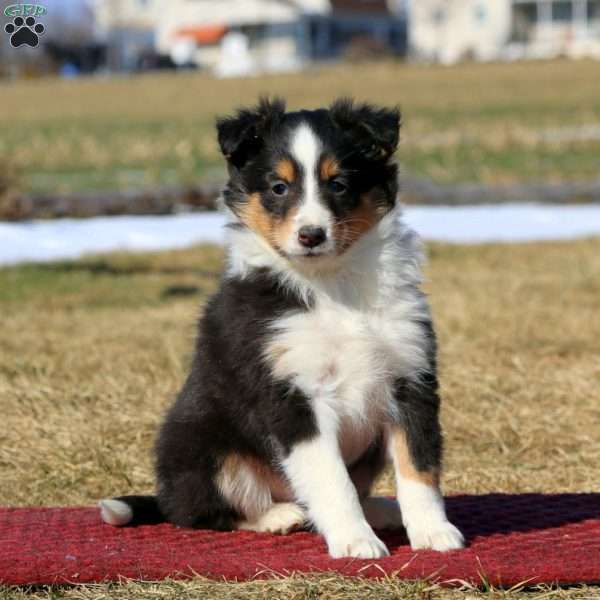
{"type": "Point", "coordinates": [110, 108]}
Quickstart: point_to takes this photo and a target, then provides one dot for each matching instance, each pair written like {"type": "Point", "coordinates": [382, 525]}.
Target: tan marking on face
{"type": "Point", "coordinates": [404, 462]}
{"type": "Point", "coordinates": [286, 170]}
{"type": "Point", "coordinates": [329, 168]}
{"type": "Point", "coordinates": [254, 215]}
{"type": "Point", "coordinates": [274, 230]}
{"type": "Point", "coordinates": [362, 219]}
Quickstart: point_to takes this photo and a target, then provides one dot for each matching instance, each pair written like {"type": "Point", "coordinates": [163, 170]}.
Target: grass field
{"type": "Point", "coordinates": [489, 123]}
{"type": "Point", "coordinates": [94, 350]}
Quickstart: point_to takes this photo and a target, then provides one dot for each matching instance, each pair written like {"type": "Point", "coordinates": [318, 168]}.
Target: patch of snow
{"type": "Point", "coordinates": [504, 222]}
{"type": "Point", "coordinates": [71, 238]}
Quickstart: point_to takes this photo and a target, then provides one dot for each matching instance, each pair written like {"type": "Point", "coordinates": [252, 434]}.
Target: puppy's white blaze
{"type": "Point", "coordinates": [306, 149]}
{"type": "Point", "coordinates": [115, 512]}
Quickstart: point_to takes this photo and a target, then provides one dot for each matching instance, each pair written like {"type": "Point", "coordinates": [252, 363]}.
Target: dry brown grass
{"type": "Point", "coordinates": [296, 587]}
{"type": "Point", "coordinates": [535, 86]}
{"type": "Point", "coordinates": [488, 123]}
{"type": "Point", "coordinates": [93, 352]}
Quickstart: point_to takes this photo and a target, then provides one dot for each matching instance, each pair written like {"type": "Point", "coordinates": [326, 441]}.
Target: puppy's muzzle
{"type": "Point", "coordinates": [310, 236]}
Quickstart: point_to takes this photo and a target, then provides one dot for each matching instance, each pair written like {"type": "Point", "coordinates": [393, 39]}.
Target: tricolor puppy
{"type": "Point", "coordinates": [315, 361]}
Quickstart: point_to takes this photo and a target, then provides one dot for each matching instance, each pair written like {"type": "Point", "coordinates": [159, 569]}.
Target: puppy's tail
{"type": "Point", "coordinates": [131, 510]}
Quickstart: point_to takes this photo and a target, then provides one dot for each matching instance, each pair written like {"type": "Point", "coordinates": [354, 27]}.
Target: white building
{"type": "Point", "coordinates": [234, 37]}
{"type": "Point", "coordinates": [266, 34]}
{"type": "Point", "coordinates": [451, 30]}
{"type": "Point", "coordinates": [547, 28]}
{"type": "Point", "coordinates": [273, 35]}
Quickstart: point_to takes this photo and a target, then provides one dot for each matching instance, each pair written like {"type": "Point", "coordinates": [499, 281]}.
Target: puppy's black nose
{"type": "Point", "coordinates": [310, 236]}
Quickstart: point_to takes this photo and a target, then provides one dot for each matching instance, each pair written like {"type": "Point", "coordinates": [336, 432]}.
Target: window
{"type": "Point", "coordinates": [526, 12]}
{"type": "Point", "coordinates": [562, 11]}
{"type": "Point", "coordinates": [524, 18]}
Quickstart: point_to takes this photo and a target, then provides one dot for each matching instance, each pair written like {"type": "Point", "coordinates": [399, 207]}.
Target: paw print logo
{"type": "Point", "coordinates": [24, 31]}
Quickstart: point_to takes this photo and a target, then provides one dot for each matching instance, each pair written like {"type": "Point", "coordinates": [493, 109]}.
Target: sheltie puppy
{"type": "Point", "coordinates": [315, 361]}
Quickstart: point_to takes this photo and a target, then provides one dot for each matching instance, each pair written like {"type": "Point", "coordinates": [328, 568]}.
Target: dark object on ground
{"type": "Point", "coordinates": [161, 201]}
{"type": "Point", "coordinates": [201, 197]}
{"type": "Point", "coordinates": [532, 538]}
{"type": "Point", "coordinates": [417, 190]}
{"type": "Point", "coordinates": [84, 57]}
{"type": "Point", "coordinates": [180, 290]}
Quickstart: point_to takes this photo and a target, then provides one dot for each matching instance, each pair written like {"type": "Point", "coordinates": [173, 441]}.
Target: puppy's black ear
{"type": "Point", "coordinates": [373, 130]}
{"type": "Point", "coordinates": [242, 135]}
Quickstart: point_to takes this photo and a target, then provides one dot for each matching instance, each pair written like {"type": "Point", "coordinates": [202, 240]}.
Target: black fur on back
{"type": "Point", "coordinates": [230, 403]}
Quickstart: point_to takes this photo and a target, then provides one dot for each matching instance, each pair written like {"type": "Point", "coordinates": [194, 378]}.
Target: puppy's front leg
{"type": "Point", "coordinates": [415, 445]}
{"type": "Point", "coordinates": [320, 481]}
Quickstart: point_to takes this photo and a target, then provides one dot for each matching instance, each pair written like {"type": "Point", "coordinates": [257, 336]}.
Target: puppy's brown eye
{"type": "Point", "coordinates": [336, 186]}
{"type": "Point", "coordinates": [279, 189]}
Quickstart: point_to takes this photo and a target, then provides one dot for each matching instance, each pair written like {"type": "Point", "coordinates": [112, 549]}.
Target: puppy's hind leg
{"type": "Point", "coordinates": [282, 517]}
{"type": "Point", "coordinates": [243, 483]}
{"type": "Point", "coordinates": [249, 485]}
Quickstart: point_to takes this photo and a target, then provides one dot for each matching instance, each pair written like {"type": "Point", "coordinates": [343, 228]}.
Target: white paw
{"type": "Point", "coordinates": [382, 513]}
{"type": "Point", "coordinates": [282, 517]}
{"type": "Point", "coordinates": [362, 545]}
{"type": "Point", "coordinates": [440, 535]}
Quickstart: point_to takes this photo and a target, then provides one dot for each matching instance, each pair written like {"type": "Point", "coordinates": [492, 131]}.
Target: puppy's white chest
{"type": "Point", "coordinates": [334, 347]}
{"type": "Point", "coordinates": [345, 359]}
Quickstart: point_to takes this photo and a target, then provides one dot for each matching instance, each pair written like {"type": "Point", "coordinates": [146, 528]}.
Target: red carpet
{"type": "Point", "coordinates": [512, 539]}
